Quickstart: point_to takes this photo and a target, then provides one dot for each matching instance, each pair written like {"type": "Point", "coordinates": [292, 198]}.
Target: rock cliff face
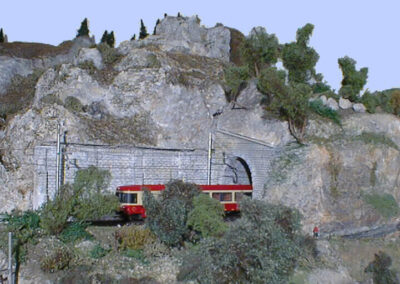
{"type": "Point", "coordinates": [167, 91]}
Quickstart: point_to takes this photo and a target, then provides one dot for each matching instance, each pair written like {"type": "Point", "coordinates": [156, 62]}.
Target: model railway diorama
{"type": "Point", "coordinates": [131, 196]}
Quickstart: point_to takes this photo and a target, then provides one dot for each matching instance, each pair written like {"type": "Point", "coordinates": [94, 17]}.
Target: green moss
{"type": "Point", "coordinates": [375, 139]}
{"type": "Point", "coordinates": [385, 204]}
{"type": "Point", "coordinates": [152, 61]}
{"type": "Point", "coordinates": [372, 177]}
{"type": "Point", "coordinates": [51, 99]}
{"type": "Point", "coordinates": [73, 104]}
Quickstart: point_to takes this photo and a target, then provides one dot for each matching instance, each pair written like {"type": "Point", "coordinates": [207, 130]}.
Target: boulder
{"type": "Point", "coordinates": [359, 108]}
{"type": "Point", "coordinates": [345, 103]}
{"type": "Point", "coordinates": [332, 103]}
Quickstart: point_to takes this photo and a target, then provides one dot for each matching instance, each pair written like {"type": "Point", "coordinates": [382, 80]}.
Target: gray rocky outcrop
{"type": "Point", "coordinates": [186, 35]}
{"type": "Point", "coordinates": [89, 54]}
{"type": "Point", "coordinates": [11, 66]}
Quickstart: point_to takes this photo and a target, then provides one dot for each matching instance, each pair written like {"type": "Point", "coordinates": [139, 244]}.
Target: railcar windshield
{"type": "Point", "coordinates": [127, 197]}
{"type": "Point", "coordinates": [239, 195]}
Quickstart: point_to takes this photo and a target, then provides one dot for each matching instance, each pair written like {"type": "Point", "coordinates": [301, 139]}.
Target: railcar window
{"type": "Point", "coordinates": [239, 195]}
{"type": "Point", "coordinates": [128, 198]}
{"type": "Point", "coordinates": [222, 196]}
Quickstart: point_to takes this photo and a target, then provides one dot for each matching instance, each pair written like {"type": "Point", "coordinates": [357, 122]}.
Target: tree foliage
{"type": "Point", "coordinates": [207, 216]}
{"type": "Point", "coordinates": [261, 247]}
{"type": "Point", "coordinates": [379, 268]}
{"type": "Point", "coordinates": [236, 80]}
{"type": "Point", "coordinates": [175, 203]}
{"type": "Point", "coordinates": [143, 30]}
{"type": "Point", "coordinates": [155, 27]}
{"type": "Point", "coordinates": [108, 38]}
{"type": "Point", "coordinates": [259, 50]}
{"type": "Point", "coordinates": [2, 37]}
{"type": "Point", "coordinates": [289, 101]}
{"type": "Point", "coordinates": [353, 81]}
{"type": "Point", "coordinates": [84, 200]}
{"type": "Point", "coordinates": [84, 28]}
{"type": "Point", "coordinates": [298, 58]}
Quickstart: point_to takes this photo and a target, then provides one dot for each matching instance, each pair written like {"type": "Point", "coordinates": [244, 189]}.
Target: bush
{"type": "Point", "coordinates": [380, 269]}
{"type": "Point", "coordinates": [110, 55]}
{"type": "Point", "coordinates": [175, 203]}
{"type": "Point", "coordinates": [263, 246]}
{"type": "Point", "coordinates": [73, 104]}
{"type": "Point", "coordinates": [235, 79]}
{"type": "Point", "coordinates": [395, 102]}
{"type": "Point", "coordinates": [370, 101]}
{"type": "Point", "coordinates": [318, 107]}
{"type": "Point", "coordinates": [25, 229]}
{"type": "Point", "coordinates": [133, 237]}
{"type": "Point", "coordinates": [207, 216]}
{"type": "Point", "coordinates": [137, 254]}
{"type": "Point", "coordinates": [57, 260]}
{"type": "Point", "coordinates": [55, 213]}
{"type": "Point", "coordinates": [98, 252]}
{"type": "Point", "coordinates": [75, 231]}
{"type": "Point", "coordinates": [385, 204]}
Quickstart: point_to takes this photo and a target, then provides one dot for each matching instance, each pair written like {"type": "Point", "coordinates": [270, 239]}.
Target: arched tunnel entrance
{"type": "Point", "coordinates": [237, 171]}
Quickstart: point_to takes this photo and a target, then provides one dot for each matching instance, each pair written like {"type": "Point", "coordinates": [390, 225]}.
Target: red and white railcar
{"type": "Point", "coordinates": [131, 196]}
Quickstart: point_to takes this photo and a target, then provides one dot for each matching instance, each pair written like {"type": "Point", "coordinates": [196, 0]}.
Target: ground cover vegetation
{"type": "Point", "coordinates": [66, 216]}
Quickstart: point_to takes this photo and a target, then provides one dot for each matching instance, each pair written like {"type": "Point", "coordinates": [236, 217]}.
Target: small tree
{"type": "Point", "coordinates": [84, 29]}
{"type": "Point", "coordinates": [260, 50]}
{"type": "Point", "coordinates": [111, 39]}
{"type": "Point", "coordinates": [353, 80]}
{"type": "Point", "coordinates": [236, 80]}
{"type": "Point", "coordinates": [261, 247]}
{"type": "Point", "coordinates": [207, 216]}
{"type": "Point", "coordinates": [133, 37]}
{"type": "Point", "coordinates": [289, 101]}
{"type": "Point", "coordinates": [155, 27]}
{"type": "Point", "coordinates": [175, 203]}
{"type": "Point", "coordinates": [104, 37]}
{"type": "Point", "coordinates": [2, 38]}
{"type": "Point", "coordinates": [298, 58]}
{"type": "Point", "coordinates": [143, 31]}
{"type": "Point", "coordinates": [379, 267]}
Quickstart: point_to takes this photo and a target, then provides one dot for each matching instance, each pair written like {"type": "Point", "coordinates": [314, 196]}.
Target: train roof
{"type": "Point", "coordinates": [203, 187]}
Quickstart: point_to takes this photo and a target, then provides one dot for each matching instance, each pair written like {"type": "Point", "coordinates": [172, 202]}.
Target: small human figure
{"type": "Point", "coordinates": [316, 232]}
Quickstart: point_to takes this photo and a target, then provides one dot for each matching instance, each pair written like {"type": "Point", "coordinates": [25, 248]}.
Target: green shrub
{"type": "Point", "coordinates": [25, 229]}
{"type": "Point", "coordinates": [73, 104]}
{"type": "Point", "coordinates": [89, 66]}
{"type": "Point", "coordinates": [170, 226]}
{"type": "Point", "coordinates": [379, 267]}
{"type": "Point", "coordinates": [57, 260]}
{"type": "Point", "coordinates": [207, 216]}
{"type": "Point", "coordinates": [395, 102]}
{"type": "Point", "coordinates": [370, 101]}
{"type": "Point", "coordinates": [95, 206]}
{"type": "Point", "coordinates": [98, 252]}
{"type": "Point", "coordinates": [318, 107]}
{"type": "Point", "coordinates": [385, 204]}
{"type": "Point", "coordinates": [75, 231]}
{"type": "Point", "coordinates": [110, 55]}
{"type": "Point", "coordinates": [235, 79]}
{"type": "Point", "coordinates": [55, 213]}
{"type": "Point", "coordinates": [176, 201]}
{"type": "Point", "coordinates": [263, 246]}
{"type": "Point", "coordinates": [137, 254]}
{"type": "Point", "coordinates": [134, 237]}
{"type": "Point", "coordinates": [23, 225]}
